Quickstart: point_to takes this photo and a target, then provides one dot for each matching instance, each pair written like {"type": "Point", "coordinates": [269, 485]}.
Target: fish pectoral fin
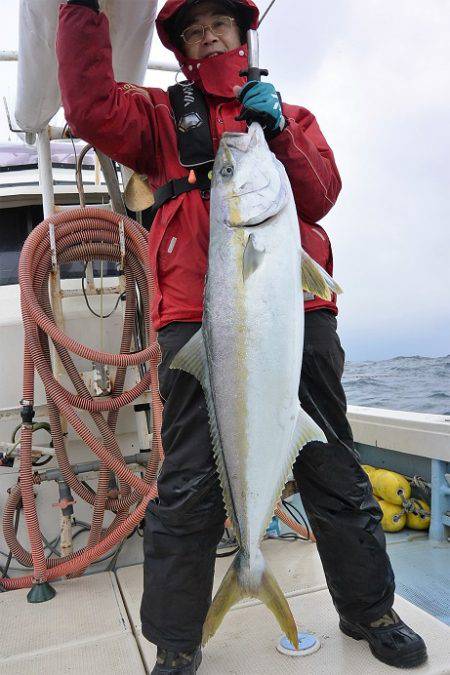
{"type": "Point", "coordinates": [192, 358]}
{"type": "Point", "coordinates": [316, 280]}
{"type": "Point", "coordinates": [252, 259]}
{"type": "Point", "coordinates": [233, 588]}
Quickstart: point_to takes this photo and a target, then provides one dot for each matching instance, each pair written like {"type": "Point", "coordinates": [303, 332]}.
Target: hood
{"type": "Point", "coordinates": [219, 74]}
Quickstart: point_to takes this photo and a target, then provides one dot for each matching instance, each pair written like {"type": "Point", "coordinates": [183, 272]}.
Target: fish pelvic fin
{"type": "Point", "coordinates": [235, 586]}
{"type": "Point", "coordinates": [316, 280]}
{"type": "Point", "coordinates": [305, 431]}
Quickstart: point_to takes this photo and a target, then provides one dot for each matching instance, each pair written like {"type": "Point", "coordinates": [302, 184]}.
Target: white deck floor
{"type": "Point", "coordinates": [92, 627]}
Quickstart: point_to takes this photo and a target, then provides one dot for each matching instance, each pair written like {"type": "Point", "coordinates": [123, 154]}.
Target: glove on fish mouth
{"type": "Point", "coordinates": [262, 103]}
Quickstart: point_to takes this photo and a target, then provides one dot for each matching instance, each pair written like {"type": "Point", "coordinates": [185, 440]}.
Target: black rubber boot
{"type": "Point", "coordinates": [390, 640]}
{"type": "Point", "coordinates": [180, 663]}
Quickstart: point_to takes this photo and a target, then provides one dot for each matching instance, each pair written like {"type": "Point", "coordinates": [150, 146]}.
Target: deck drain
{"type": "Point", "coordinates": [307, 644]}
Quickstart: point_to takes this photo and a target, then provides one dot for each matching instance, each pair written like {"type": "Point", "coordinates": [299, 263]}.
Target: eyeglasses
{"type": "Point", "coordinates": [195, 33]}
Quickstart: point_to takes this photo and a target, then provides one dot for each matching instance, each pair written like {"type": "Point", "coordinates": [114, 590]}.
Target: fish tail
{"type": "Point", "coordinates": [229, 593]}
{"type": "Point", "coordinates": [234, 587]}
{"type": "Point", "coordinates": [273, 597]}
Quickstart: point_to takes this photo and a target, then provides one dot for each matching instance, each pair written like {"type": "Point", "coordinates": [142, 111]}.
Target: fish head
{"type": "Point", "coordinates": [249, 183]}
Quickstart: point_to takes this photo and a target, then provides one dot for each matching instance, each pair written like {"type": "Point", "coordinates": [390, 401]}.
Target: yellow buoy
{"type": "Point", "coordinates": [391, 487]}
{"type": "Point", "coordinates": [417, 518]}
{"type": "Point", "coordinates": [370, 471]}
{"type": "Point", "coordinates": [394, 519]}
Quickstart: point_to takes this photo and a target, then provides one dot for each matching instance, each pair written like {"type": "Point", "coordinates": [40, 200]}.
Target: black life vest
{"type": "Point", "coordinates": [195, 147]}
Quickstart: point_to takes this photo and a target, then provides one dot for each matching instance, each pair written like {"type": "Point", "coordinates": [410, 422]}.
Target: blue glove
{"type": "Point", "coordinates": [262, 103]}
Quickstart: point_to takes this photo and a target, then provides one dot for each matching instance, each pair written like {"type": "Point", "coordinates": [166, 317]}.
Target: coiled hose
{"type": "Point", "coordinates": [83, 235]}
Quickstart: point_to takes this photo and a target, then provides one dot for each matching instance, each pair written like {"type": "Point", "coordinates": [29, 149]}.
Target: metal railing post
{"type": "Point", "coordinates": [440, 501]}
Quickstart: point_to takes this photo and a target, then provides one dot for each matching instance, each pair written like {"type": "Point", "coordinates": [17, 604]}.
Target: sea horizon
{"type": "Point", "coordinates": [409, 383]}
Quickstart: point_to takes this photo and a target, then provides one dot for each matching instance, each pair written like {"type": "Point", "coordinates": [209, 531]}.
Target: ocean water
{"type": "Point", "coordinates": [410, 383]}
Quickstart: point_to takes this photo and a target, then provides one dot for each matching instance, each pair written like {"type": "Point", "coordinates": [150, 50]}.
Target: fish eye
{"type": "Point", "coordinates": [227, 171]}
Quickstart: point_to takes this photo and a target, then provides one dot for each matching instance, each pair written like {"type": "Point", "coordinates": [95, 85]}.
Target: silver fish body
{"type": "Point", "coordinates": [248, 356]}
{"type": "Point", "coordinates": [253, 327]}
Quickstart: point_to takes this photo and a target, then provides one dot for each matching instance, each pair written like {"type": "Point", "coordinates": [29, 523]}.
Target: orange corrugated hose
{"type": "Point", "coordinates": [83, 235]}
{"type": "Point", "coordinates": [293, 525]}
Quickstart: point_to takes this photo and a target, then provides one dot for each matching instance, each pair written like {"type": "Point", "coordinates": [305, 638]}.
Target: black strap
{"type": "Point", "coordinates": [195, 146]}
{"type": "Point", "coordinates": [174, 188]}
{"type": "Point", "coordinates": [92, 4]}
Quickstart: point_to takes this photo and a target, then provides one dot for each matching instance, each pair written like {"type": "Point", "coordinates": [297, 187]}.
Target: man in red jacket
{"type": "Point", "coordinates": [135, 126]}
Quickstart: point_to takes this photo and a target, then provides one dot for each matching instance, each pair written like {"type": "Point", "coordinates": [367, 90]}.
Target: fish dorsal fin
{"type": "Point", "coordinates": [305, 431]}
{"type": "Point", "coordinates": [193, 360]}
{"type": "Point", "coordinates": [315, 280]}
{"type": "Point", "coordinates": [252, 259]}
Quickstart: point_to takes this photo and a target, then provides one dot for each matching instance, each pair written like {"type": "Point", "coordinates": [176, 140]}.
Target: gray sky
{"type": "Point", "coordinates": [376, 75]}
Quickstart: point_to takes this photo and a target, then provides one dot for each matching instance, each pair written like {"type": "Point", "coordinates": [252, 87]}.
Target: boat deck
{"type": "Point", "coordinates": [92, 625]}
{"type": "Point", "coordinates": [422, 572]}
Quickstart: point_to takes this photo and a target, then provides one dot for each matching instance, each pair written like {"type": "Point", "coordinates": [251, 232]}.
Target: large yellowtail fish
{"type": "Point", "coordinates": [248, 355]}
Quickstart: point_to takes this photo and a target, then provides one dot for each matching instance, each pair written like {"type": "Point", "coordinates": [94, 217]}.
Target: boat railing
{"type": "Point", "coordinates": [419, 434]}
{"type": "Point", "coordinates": [11, 55]}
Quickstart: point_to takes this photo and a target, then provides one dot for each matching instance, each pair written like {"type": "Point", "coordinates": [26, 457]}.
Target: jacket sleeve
{"type": "Point", "coordinates": [309, 163]}
{"type": "Point", "coordinates": [118, 119]}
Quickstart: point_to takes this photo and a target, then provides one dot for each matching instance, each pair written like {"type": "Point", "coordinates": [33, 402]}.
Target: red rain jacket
{"type": "Point", "coordinates": [134, 125]}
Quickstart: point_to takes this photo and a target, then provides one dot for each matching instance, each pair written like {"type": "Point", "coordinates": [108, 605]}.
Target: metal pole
{"type": "Point", "coordinates": [254, 72]}
{"type": "Point", "coordinates": [48, 203]}
{"type": "Point", "coordinates": [440, 493]}
{"type": "Point", "coordinates": [45, 172]}
{"type": "Point", "coordinates": [8, 55]}
{"type": "Point", "coordinates": [253, 55]}
{"type": "Point", "coordinates": [167, 67]}
{"type": "Point", "coordinates": [11, 55]}
{"type": "Point", "coordinates": [86, 467]}
{"type": "Point", "coordinates": [112, 183]}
